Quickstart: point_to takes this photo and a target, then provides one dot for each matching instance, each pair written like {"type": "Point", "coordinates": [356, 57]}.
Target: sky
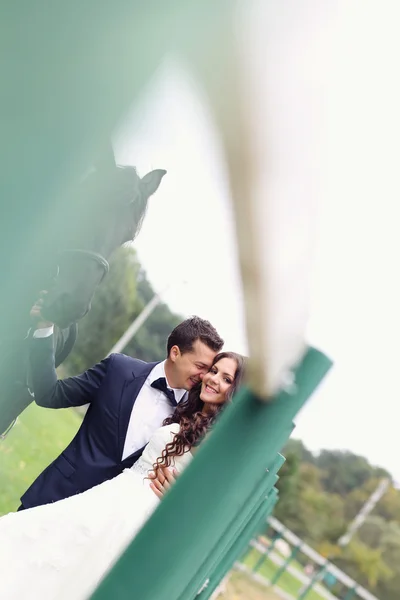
{"type": "Point", "coordinates": [187, 243]}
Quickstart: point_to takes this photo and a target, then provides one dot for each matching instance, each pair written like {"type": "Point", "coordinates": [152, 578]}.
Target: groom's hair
{"type": "Point", "coordinates": [192, 329]}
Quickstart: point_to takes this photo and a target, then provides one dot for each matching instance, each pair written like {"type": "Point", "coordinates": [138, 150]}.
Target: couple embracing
{"type": "Point", "coordinates": [140, 431]}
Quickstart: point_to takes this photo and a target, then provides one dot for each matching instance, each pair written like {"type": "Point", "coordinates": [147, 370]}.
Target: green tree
{"type": "Point", "coordinates": [365, 564]}
{"type": "Point", "coordinates": [287, 485]}
{"type": "Point", "coordinates": [298, 448]}
{"type": "Point", "coordinates": [373, 531]}
{"type": "Point", "coordinates": [388, 506]}
{"type": "Point", "coordinates": [389, 588]}
{"type": "Point", "coordinates": [384, 536]}
{"type": "Point", "coordinates": [309, 511]}
{"type": "Point", "coordinates": [343, 471]}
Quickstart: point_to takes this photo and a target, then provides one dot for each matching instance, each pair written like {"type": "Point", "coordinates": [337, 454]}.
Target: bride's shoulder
{"type": "Point", "coordinates": [168, 430]}
{"type": "Point", "coordinates": [163, 435]}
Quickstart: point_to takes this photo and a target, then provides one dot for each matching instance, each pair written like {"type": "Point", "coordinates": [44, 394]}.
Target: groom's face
{"type": "Point", "coordinates": [190, 367]}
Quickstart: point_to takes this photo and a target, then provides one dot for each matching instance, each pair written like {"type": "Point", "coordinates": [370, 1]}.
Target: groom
{"type": "Point", "coordinates": [128, 399]}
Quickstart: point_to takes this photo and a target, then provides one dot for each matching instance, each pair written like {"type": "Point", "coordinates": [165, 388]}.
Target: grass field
{"type": "Point", "coordinates": [287, 582]}
{"type": "Point", "coordinates": [241, 587]}
{"type": "Point", "coordinates": [37, 438]}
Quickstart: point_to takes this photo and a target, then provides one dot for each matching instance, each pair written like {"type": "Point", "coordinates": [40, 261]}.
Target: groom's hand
{"type": "Point", "coordinates": [162, 481]}
{"type": "Point", "coordinates": [35, 313]}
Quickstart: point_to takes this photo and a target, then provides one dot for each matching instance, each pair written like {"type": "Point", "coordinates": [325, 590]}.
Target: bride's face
{"type": "Point", "coordinates": [218, 381]}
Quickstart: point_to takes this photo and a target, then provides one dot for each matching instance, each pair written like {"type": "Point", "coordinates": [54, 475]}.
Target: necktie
{"type": "Point", "coordinates": [161, 384]}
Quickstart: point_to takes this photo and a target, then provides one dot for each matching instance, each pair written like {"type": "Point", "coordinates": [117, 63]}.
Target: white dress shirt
{"type": "Point", "coordinates": [149, 411]}
{"type": "Point", "coordinates": [45, 332]}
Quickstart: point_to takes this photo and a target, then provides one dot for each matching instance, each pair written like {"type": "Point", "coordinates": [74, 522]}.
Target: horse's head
{"type": "Point", "coordinates": [111, 210]}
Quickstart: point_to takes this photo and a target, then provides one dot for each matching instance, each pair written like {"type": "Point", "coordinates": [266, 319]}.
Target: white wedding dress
{"type": "Point", "coordinates": [62, 550]}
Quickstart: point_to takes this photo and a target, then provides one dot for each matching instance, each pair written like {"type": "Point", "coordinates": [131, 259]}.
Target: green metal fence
{"type": "Point", "coordinates": [262, 558]}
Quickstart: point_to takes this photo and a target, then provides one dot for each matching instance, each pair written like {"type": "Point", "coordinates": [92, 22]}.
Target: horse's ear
{"type": "Point", "coordinates": [150, 182]}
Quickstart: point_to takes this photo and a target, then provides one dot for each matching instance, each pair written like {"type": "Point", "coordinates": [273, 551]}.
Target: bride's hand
{"type": "Point", "coordinates": [162, 481]}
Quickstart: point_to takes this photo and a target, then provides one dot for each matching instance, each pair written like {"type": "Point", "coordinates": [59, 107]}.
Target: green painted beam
{"type": "Point", "coordinates": [239, 544]}
{"type": "Point", "coordinates": [255, 499]}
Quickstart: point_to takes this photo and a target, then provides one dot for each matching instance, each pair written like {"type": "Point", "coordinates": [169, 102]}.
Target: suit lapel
{"type": "Point", "coordinates": [130, 392]}
{"type": "Point", "coordinates": [132, 458]}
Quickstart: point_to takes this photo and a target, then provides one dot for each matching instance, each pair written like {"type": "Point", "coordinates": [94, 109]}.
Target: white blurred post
{"type": "Point", "coordinates": [137, 323]}
{"type": "Point", "coordinates": [364, 512]}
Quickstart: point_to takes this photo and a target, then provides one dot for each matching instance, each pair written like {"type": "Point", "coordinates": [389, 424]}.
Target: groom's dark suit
{"type": "Point", "coordinates": [95, 454]}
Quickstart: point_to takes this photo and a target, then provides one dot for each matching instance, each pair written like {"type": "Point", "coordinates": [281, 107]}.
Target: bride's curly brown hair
{"type": "Point", "coordinates": [194, 424]}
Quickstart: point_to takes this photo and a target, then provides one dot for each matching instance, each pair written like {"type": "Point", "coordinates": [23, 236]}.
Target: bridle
{"type": "Point", "coordinates": [88, 254]}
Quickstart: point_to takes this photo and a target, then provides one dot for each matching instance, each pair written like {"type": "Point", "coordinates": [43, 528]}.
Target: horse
{"type": "Point", "coordinates": [71, 263]}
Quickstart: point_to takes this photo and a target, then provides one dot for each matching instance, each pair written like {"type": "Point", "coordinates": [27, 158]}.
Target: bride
{"type": "Point", "coordinates": [63, 550]}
